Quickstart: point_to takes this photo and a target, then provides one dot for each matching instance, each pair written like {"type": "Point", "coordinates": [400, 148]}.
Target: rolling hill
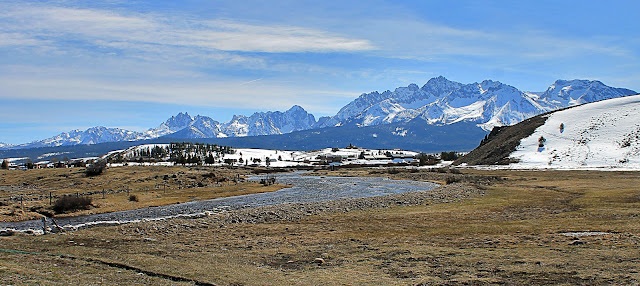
{"type": "Point", "coordinates": [603, 134]}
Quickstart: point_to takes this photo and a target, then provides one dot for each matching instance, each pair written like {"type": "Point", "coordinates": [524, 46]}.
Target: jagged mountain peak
{"type": "Point", "coordinates": [563, 93]}
{"type": "Point", "coordinates": [180, 120]}
{"type": "Point", "coordinates": [296, 108]}
{"type": "Point", "coordinates": [439, 80]}
{"type": "Point", "coordinates": [490, 84]}
{"type": "Point", "coordinates": [440, 86]}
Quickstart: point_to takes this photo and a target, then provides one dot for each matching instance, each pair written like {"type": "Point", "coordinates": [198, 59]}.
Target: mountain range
{"type": "Point", "coordinates": [439, 102]}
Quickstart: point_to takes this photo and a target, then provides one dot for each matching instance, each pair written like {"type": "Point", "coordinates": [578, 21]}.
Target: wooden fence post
{"type": "Point", "coordinates": [44, 225]}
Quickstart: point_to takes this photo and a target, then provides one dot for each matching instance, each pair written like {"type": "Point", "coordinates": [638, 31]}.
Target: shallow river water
{"type": "Point", "coordinates": [304, 189]}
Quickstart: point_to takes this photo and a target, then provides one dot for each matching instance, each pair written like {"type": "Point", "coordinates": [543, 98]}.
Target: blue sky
{"type": "Point", "coordinates": [132, 64]}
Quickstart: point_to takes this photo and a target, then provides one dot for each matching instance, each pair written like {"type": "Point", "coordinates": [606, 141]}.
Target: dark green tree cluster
{"type": "Point", "coordinates": [194, 153]}
{"type": "Point", "coordinates": [179, 153]}
{"type": "Point", "coordinates": [449, 156]}
{"type": "Point", "coordinates": [428, 159]}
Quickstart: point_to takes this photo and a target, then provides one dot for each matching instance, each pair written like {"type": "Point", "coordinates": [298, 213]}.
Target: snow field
{"type": "Point", "coordinates": [603, 134]}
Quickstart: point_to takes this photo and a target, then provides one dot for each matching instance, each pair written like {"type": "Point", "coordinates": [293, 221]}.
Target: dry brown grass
{"type": "Point", "coordinates": [512, 235]}
{"type": "Point", "coordinates": [148, 184]}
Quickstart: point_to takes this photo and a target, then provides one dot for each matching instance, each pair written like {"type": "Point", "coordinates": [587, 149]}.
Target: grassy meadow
{"type": "Point", "coordinates": [531, 227]}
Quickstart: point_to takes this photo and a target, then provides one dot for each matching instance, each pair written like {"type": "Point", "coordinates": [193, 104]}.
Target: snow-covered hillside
{"type": "Point", "coordinates": [604, 134]}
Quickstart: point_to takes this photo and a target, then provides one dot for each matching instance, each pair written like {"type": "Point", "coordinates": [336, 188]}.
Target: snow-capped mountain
{"type": "Point", "coordinates": [268, 123]}
{"type": "Point", "coordinates": [260, 123]}
{"type": "Point", "coordinates": [93, 135]}
{"type": "Point", "coordinates": [604, 134]}
{"type": "Point", "coordinates": [5, 145]}
{"type": "Point", "coordinates": [173, 124]}
{"type": "Point", "coordinates": [565, 93]}
{"type": "Point", "coordinates": [199, 127]}
{"type": "Point", "coordinates": [488, 104]}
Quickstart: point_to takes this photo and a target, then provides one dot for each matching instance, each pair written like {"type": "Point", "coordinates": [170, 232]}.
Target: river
{"type": "Point", "coordinates": [304, 189]}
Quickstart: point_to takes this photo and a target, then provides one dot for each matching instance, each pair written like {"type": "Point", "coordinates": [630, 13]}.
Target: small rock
{"type": "Point", "coordinates": [7, 232]}
{"type": "Point", "coordinates": [318, 261]}
{"type": "Point", "coordinates": [576, 242]}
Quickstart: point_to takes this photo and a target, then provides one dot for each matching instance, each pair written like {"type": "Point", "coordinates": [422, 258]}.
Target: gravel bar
{"type": "Point", "coordinates": [338, 193]}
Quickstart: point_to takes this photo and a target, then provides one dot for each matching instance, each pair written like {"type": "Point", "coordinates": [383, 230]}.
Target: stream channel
{"type": "Point", "coordinates": [304, 189]}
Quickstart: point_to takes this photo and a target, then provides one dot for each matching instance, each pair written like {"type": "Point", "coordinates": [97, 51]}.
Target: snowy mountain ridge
{"type": "Point", "coordinates": [93, 135]}
{"type": "Point", "coordinates": [488, 103]}
{"type": "Point", "coordinates": [184, 125]}
{"type": "Point", "coordinates": [5, 145]}
{"type": "Point", "coordinates": [439, 102]}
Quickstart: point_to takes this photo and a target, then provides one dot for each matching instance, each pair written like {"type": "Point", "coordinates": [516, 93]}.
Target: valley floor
{"type": "Point", "coordinates": [489, 227]}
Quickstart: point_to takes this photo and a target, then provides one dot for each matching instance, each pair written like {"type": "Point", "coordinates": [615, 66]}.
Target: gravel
{"type": "Point", "coordinates": [296, 211]}
{"type": "Point", "coordinates": [309, 195]}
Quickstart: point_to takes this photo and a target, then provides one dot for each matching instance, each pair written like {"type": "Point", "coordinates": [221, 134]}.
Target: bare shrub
{"type": "Point", "coordinates": [541, 141]}
{"type": "Point", "coordinates": [451, 180]}
{"type": "Point", "coordinates": [96, 168]}
{"type": "Point", "coordinates": [71, 203]}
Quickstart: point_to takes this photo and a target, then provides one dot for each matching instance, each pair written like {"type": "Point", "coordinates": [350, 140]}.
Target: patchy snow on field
{"type": "Point", "coordinates": [282, 158]}
{"type": "Point", "coordinates": [600, 135]}
{"type": "Point", "coordinates": [15, 159]}
{"type": "Point", "coordinates": [279, 158]}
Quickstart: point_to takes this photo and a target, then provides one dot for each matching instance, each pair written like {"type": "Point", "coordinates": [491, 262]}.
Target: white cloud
{"type": "Point", "coordinates": [228, 93]}
{"type": "Point", "coordinates": [419, 39]}
{"type": "Point", "coordinates": [108, 28]}
{"type": "Point", "coordinates": [18, 39]}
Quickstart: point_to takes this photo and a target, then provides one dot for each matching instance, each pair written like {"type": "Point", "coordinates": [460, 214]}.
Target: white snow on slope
{"type": "Point", "coordinates": [5, 145]}
{"type": "Point", "coordinates": [603, 134]}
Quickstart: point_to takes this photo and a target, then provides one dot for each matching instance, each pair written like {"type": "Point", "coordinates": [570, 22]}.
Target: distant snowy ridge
{"type": "Point", "coordinates": [564, 93]}
{"type": "Point", "coordinates": [604, 134]}
{"type": "Point", "coordinates": [93, 135]}
{"type": "Point", "coordinates": [489, 103]}
{"type": "Point", "coordinates": [260, 123]}
{"type": "Point", "coordinates": [5, 145]}
{"type": "Point", "coordinates": [184, 125]}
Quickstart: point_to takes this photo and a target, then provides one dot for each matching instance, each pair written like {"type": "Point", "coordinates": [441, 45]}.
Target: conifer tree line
{"type": "Point", "coordinates": [179, 153]}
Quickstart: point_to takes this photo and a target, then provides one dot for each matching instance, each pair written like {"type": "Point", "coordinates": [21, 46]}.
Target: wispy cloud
{"type": "Point", "coordinates": [420, 39]}
{"type": "Point", "coordinates": [229, 93]}
{"type": "Point", "coordinates": [108, 28]}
